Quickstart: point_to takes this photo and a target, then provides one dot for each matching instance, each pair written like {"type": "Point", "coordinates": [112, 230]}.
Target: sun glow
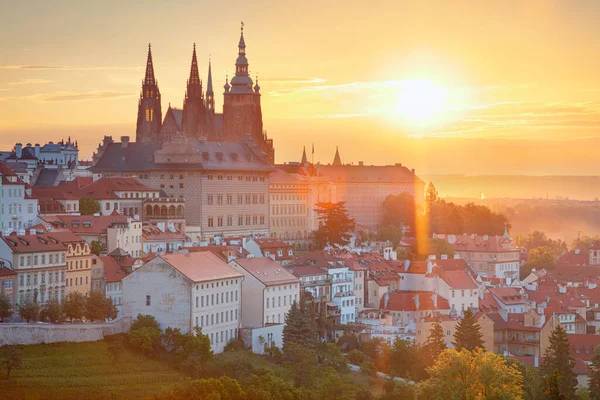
{"type": "Point", "coordinates": [420, 100]}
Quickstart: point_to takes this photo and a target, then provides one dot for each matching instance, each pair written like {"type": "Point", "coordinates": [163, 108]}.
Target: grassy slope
{"type": "Point", "coordinates": [85, 371]}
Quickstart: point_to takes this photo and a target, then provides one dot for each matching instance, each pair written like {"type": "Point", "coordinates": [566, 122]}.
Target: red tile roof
{"type": "Point", "coordinates": [477, 243]}
{"type": "Point", "coordinates": [6, 272]}
{"type": "Point", "coordinates": [85, 224]}
{"type": "Point", "coordinates": [452, 264]}
{"type": "Point", "coordinates": [575, 257]}
{"type": "Point", "coordinates": [306, 270]}
{"type": "Point", "coordinates": [33, 243]}
{"type": "Point", "coordinates": [406, 301]}
{"type": "Point", "coordinates": [457, 279]}
{"type": "Point", "coordinates": [508, 296]}
{"type": "Point", "coordinates": [585, 344]}
{"type": "Point", "coordinates": [266, 271]}
{"type": "Point", "coordinates": [112, 271]}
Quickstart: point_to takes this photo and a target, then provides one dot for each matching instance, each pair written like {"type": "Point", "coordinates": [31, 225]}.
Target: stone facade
{"type": "Point", "coordinates": [290, 206]}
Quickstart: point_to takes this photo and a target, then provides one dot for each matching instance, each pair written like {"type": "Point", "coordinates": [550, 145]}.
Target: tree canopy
{"type": "Point", "coordinates": [400, 210]}
{"type": "Point", "coordinates": [468, 332]}
{"type": "Point", "coordinates": [435, 344]}
{"type": "Point", "coordinates": [558, 363]}
{"type": "Point", "coordinates": [336, 227]}
{"type": "Point", "coordinates": [6, 309]}
{"type": "Point", "coordinates": [88, 206]}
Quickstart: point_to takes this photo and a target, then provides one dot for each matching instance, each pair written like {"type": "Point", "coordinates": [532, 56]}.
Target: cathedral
{"type": "Point", "coordinates": [241, 117]}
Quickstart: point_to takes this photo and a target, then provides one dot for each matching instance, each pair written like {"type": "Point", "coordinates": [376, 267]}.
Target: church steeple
{"type": "Point", "coordinates": [337, 161]}
{"type": "Point", "coordinates": [194, 75]}
{"type": "Point", "coordinates": [241, 82]}
{"type": "Point", "coordinates": [304, 158]}
{"type": "Point", "coordinates": [210, 96]}
{"type": "Point", "coordinates": [149, 78]}
{"type": "Point", "coordinates": [149, 109]}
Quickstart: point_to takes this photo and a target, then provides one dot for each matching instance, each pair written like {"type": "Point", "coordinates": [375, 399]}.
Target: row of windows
{"type": "Point", "coordinates": [229, 334]}
{"type": "Point", "coordinates": [55, 293]}
{"type": "Point", "coordinates": [138, 195]}
{"type": "Point", "coordinates": [239, 178]}
{"type": "Point", "coordinates": [13, 192]}
{"type": "Point", "coordinates": [41, 260]}
{"type": "Point", "coordinates": [226, 297]}
{"type": "Point", "coordinates": [228, 199]}
{"type": "Point", "coordinates": [18, 224]}
{"type": "Point", "coordinates": [213, 319]}
{"type": "Point", "coordinates": [79, 264]}
{"type": "Point", "coordinates": [51, 276]}
{"type": "Point", "coordinates": [286, 209]}
{"type": "Point", "coordinates": [69, 281]}
{"type": "Point", "coordinates": [212, 284]}
{"type": "Point", "coordinates": [250, 220]}
{"type": "Point", "coordinates": [286, 300]}
{"type": "Point", "coordinates": [17, 208]}
{"type": "Point", "coordinates": [291, 222]}
{"type": "Point", "coordinates": [462, 293]}
{"type": "Point", "coordinates": [289, 197]}
{"type": "Point", "coordinates": [162, 186]}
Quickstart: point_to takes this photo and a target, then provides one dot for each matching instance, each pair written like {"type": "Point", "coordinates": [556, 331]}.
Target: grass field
{"type": "Point", "coordinates": [85, 371]}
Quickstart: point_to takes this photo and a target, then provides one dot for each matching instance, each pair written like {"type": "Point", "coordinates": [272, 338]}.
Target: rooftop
{"type": "Point", "coordinates": [266, 271]}
{"type": "Point", "coordinates": [201, 266]}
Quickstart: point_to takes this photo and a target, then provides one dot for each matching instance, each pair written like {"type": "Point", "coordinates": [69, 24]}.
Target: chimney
{"type": "Point", "coordinates": [577, 251]}
{"type": "Point", "coordinates": [19, 150]}
{"type": "Point", "coordinates": [37, 150]}
{"type": "Point", "coordinates": [417, 303]}
{"type": "Point", "coordinates": [413, 171]}
{"type": "Point", "coordinates": [360, 163]}
{"type": "Point", "coordinates": [386, 298]}
{"type": "Point", "coordinates": [451, 239]}
{"type": "Point", "coordinates": [432, 257]}
{"type": "Point", "coordinates": [406, 265]}
{"type": "Point", "coordinates": [429, 267]}
{"type": "Point", "coordinates": [124, 141]}
{"type": "Point", "coordinates": [444, 257]}
{"type": "Point", "coordinates": [32, 232]}
{"type": "Point", "coordinates": [485, 237]}
{"type": "Point", "coordinates": [434, 298]}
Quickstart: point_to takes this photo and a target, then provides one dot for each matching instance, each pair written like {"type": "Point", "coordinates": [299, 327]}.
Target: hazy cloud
{"type": "Point", "coordinates": [69, 96]}
{"type": "Point", "coordinates": [66, 68]}
{"type": "Point", "coordinates": [293, 80]}
{"type": "Point", "coordinates": [30, 82]}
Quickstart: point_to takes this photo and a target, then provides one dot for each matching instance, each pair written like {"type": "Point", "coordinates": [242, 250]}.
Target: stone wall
{"type": "Point", "coordinates": [35, 333]}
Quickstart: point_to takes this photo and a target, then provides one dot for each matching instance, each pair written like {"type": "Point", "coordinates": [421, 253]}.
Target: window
{"type": "Point", "coordinates": [209, 199]}
{"type": "Point", "coordinates": [247, 220]}
{"type": "Point", "coordinates": [220, 199]}
{"type": "Point", "coordinates": [229, 221]}
{"type": "Point", "coordinates": [240, 220]}
{"type": "Point", "coordinates": [229, 199]}
{"type": "Point", "coordinates": [262, 199]}
{"type": "Point", "coordinates": [254, 199]}
{"type": "Point", "coordinates": [210, 222]}
{"type": "Point", "coordinates": [220, 221]}
{"type": "Point", "coordinates": [148, 300]}
{"type": "Point", "coordinates": [181, 186]}
{"type": "Point", "coordinates": [247, 199]}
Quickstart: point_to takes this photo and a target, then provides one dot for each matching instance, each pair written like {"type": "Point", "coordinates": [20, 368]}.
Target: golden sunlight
{"type": "Point", "coordinates": [420, 100]}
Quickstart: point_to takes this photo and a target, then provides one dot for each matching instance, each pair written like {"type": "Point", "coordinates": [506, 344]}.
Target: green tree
{"type": "Point", "coordinates": [97, 248]}
{"type": "Point", "coordinates": [595, 375]}
{"type": "Point", "coordinates": [472, 375]}
{"type": "Point", "coordinates": [335, 387]}
{"type": "Point", "coordinates": [557, 358]}
{"type": "Point", "coordinates": [583, 393]}
{"type": "Point", "coordinates": [368, 368]}
{"type": "Point", "coordinates": [52, 311]}
{"type": "Point", "coordinates": [552, 387]}
{"type": "Point", "coordinates": [438, 247]}
{"type": "Point", "coordinates": [88, 206]}
{"type": "Point", "coordinates": [11, 358]}
{"type": "Point", "coordinates": [390, 233]}
{"type": "Point", "coordinates": [29, 311]}
{"type": "Point", "coordinates": [223, 388]}
{"type": "Point", "coordinates": [98, 307]}
{"type": "Point", "coordinates": [532, 380]}
{"type": "Point", "coordinates": [336, 226]}
{"type": "Point", "coordinates": [356, 357]}
{"type": "Point", "coordinates": [539, 239]}
{"type": "Point", "coordinates": [300, 360]}
{"type": "Point", "coordinates": [584, 242]}
{"type": "Point", "coordinates": [544, 257]}
{"type": "Point", "coordinates": [144, 321]}
{"type": "Point", "coordinates": [74, 306]}
{"type": "Point", "coordinates": [468, 332]}
{"type": "Point", "coordinates": [398, 391]}
{"type": "Point", "coordinates": [234, 345]}
{"type": "Point", "coordinates": [431, 194]}
{"type": "Point", "coordinates": [329, 355]}
{"type": "Point", "coordinates": [195, 353]}
{"type": "Point", "coordinates": [406, 360]}
{"type": "Point", "coordinates": [299, 326]}
{"type": "Point", "coordinates": [400, 210]}
{"type": "Point", "coordinates": [6, 309]}
{"type": "Point", "coordinates": [435, 344]}
{"type": "Point", "coordinates": [269, 386]}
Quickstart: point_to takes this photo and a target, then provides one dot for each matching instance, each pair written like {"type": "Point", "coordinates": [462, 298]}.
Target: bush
{"type": "Point", "coordinates": [52, 312]}
{"type": "Point", "coordinates": [234, 345]}
{"type": "Point", "coordinates": [368, 368]}
{"type": "Point", "coordinates": [356, 357]}
{"type": "Point", "coordinates": [29, 311]}
{"type": "Point", "coordinates": [144, 321]}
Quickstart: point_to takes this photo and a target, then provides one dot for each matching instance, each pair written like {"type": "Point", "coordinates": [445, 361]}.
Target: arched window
{"type": "Point", "coordinates": [171, 210]}
{"type": "Point", "coordinates": [148, 210]}
{"type": "Point", "coordinates": [163, 210]}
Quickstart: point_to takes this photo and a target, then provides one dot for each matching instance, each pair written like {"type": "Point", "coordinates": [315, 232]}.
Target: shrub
{"type": "Point", "coordinates": [368, 368]}
{"type": "Point", "coordinates": [234, 345]}
{"type": "Point", "coordinates": [356, 357]}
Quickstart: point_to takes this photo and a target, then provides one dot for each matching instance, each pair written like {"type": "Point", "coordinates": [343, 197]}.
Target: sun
{"type": "Point", "coordinates": [420, 100]}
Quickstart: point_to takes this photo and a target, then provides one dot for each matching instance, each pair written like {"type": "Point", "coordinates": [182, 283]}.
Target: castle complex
{"type": "Point", "coordinates": [198, 120]}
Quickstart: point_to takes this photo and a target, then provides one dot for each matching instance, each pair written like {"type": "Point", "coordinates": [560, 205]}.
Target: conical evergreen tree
{"type": "Point", "coordinates": [309, 328]}
{"type": "Point", "coordinates": [595, 375]}
{"type": "Point", "coordinates": [468, 333]}
{"type": "Point", "coordinates": [551, 389]}
{"type": "Point", "coordinates": [435, 343]}
{"type": "Point", "coordinates": [292, 330]}
{"type": "Point", "coordinates": [557, 360]}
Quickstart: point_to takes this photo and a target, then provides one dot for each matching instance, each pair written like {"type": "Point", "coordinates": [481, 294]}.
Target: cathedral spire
{"type": "Point", "coordinates": [337, 161]}
{"type": "Point", "coordinates": [304, 159]}
{"type": "Point", "coordinates": [209, 87]}
{"type": "Point", "coordinates": [194, 75]}
{"type": "Point", "coordinates": [149, 79]}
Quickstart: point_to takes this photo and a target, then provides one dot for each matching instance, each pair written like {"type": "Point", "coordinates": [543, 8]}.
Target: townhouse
{"type": "Point", "coordinates": [186, 291]}
{"type": "Point", "coordinates": [19, 208]}
{"type": "Point", "coordinates": [162, 238]}
{"type": "Point", "coordinates": [277, 249]}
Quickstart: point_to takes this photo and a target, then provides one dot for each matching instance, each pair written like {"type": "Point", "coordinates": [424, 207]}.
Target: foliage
{"type": "Point", "coordinates": [368, 368]}
{"type": "Point", "coordinates": [398, 391]}
{"type": "Point", "coordinates": [406, 360]}
{"type": "Point", "coordinates": [356, 357]}
{"type": "Point", "coordinates": [300, 361]}
{"type": "Point", "coordinates": [336, 226]}
{"type": "Point", "coordinates": [146, 340]}
{"type": "Point", "coordinates": [468, 332]}
{"type": "Point", "coordinates": [88, 206]}
{"type": "Point", "coordinates": [6, 309]}
{"type": "Point", "coordinates": [390, 233]}
{"type": "Point", "coordinates": [299, 326]}
{"type": "Point", "coordinates": [583, 393]}
{"type": "Point", "coordinates": [450, 218]}
{"type": "Point", "coordinates": [435, 344]}
{"type": "Point", "coordinates": [400, 210]}
{"type": "Point", "coordinates": [584, 242]}
{"type": "Point", "coordinates": [532, 380]}
{"type": "Point", "coordinates": [11, 358]}
{"type": "Point", "coordinates": [98, 307]}
{"type": "Point", "coordinates": [551, 389]}
{"type": "Point", "coordinates": [29, 311]}
{"type": "Point", "coordinates": [234, 345]}
{"type": "Point", "coordinates": [544, 257]}
{"type": "Point", "coordinates": [335, 387]}
{"type": "Point", "coordinates": [144, 321]}
{"type": "Point", "coordinates": [372, 348]}
{"type": "Point", "coordinates": [74, 306]}
{"type": "Point", "coordinates": [223, 388]}
{"type": "Point", "coordinates": [97, 248]}
{"type": "Point", "coordinates": [595, 375]}
{"type": "Point", "coordinates": [329, 355]}
{"type": "Point", "coordinates": [558, 364]}
{"type": "Point", "coordinates": [431, 195]}
{"type": "Point", "coordinates": [116, 348]}
{"type": "Point", "coordinates": [52, 311]}
{"type": "Point", "coordinates": [195, 353]}
{"type": "Point", "coordinates": [269, 386]}
{"type": "Point", "coordinates": [472, 375]}
{"type": "Point", "coordinates": [438, 247]}
{"type": "Point", "coordinates": [348, 342]}
{"type": "Point", "coordinates": [539, 239]}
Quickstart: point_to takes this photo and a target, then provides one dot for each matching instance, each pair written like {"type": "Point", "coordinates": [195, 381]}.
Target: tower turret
{"type": "Point", "coordinates": [149, 109]}
{"type": "Point", "coordinates": [337, 161]}
{"type": "Point", "coordinates": [194, 108]}
{"type": "Point", "coordinates": [210, 95]}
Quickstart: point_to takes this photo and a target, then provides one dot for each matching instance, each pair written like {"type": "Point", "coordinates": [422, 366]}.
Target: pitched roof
{"type": "Point", "coordinates": [508, 296]}
{"type": "Point", "coordinates": [457, 279]}
{"type": "Point", "coordinates": [451, 264]}
{"type": "Point", "coordinates": [201, 266]}
{"type": "Point", "coordinates": [33, 243]}
{"type": "Point", "coordinates": [368, 174]}
{"type": "Point", "coordinates": [84, 224]}
{"type": "Point", "coordinates": [406, 301]}
{"type": "Point", "coordinates": [112, 271]}
{"type": "Point", "coordinates": [577, 257]}
{"type": "Point", "coordinates": [306, 270]}
{"type": "Point", "coordinates": [5, 272]}
{"type": "Point", "coordinates": [266, 271]}
{"type": "Point", "coordinates": [478, 243]}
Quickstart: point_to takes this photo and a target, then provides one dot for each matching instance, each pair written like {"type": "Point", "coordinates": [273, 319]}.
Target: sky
{"type": "Point", "coordinates": [445, 87]}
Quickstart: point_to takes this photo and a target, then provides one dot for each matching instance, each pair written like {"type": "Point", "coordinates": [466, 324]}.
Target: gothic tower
{"type": "Point", "coordinates": [210, 106]}
{"type": "Point", "coordinates": [241, 104]}
{"type": "Point", "coordinates": [194, 108]}
{"type": "Point", "coordinates": [149, 111]}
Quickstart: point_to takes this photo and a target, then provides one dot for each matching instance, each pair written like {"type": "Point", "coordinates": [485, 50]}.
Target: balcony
{"type": "Point", "coordinates": [342, 280]}
{"type": "Point", "coordinates": [344, 294]}
{"type": "Point", "coordinates": [526, 340]}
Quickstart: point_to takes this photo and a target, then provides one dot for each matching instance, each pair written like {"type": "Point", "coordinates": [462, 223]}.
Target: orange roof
{"type": "Point", "coordinates": [266, 271]}
{"type": "Point", "coordinates": [112, 271]}
{"type": "Point", "coordinates": [508, 296]}
{"type": "Point", "coordinates": [406, 301]}
{"type": "Point", "coordinates": [451, 264]}
{"type": "Point", "coordinates": [33, 243]}
{"type": "Point", "coordinates": [85, 224]}
{"type": "Point", "coordinates": [201, 266]}
{"type": "Point", "coordinates": [457, 279]}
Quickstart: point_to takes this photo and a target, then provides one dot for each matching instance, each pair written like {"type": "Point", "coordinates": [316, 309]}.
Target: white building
{"type": "Point", "coordinates": [342, 292]}
{"type": "Point", "coordinates": [19, 210]}
{"type": "Point", "coordinates": [459, 288]}
{"type": "Point", "coordinates": [268, 291]}
{"type": "Point", "coordinates": [186, 291]}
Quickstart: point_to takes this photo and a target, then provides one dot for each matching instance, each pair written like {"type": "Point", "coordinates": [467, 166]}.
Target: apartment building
{"type": "Point", "coordinates": [19, 208]}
